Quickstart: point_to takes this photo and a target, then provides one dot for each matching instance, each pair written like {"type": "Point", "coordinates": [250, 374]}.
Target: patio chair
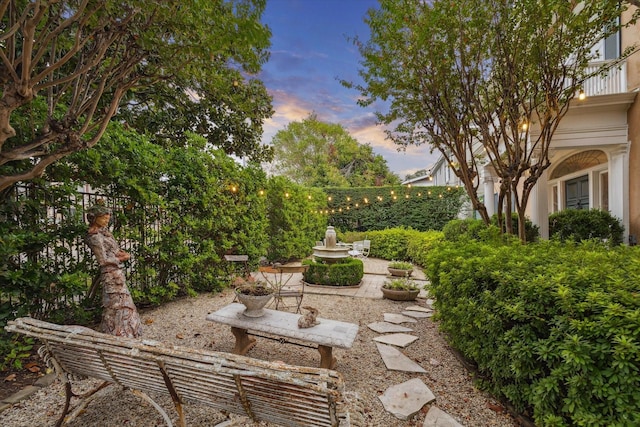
{"type": "Point", "coordinates": [366, 247]}
{"type": "Point", "coordinates": [357, 249]}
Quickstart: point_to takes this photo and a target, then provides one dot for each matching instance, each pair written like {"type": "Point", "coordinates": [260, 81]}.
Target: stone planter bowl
{"type": "Point", "coordinates": [400, 295]}
{"type": "Point", "coordinates": [255, 303]}
{"type": "Point", "coordinates": [397, 272]}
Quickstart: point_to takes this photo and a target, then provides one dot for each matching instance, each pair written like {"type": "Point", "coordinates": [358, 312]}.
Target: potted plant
{"type": "Point", "coordinates": [254, 294]}
{"type": "Point", "coordinates": [400, 268]}
{"type": "Point", "coordinates": [401, 289]}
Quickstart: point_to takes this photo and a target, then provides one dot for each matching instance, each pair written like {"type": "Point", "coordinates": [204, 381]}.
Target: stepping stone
{"type": "Point", "coordinates": [429, 302]}
{"type": "Point", "coordinates": [398, 318]}
{"type": "Point", "coordinates": [404, 400]}
{"type": "Point", "coordinates": [399, 340]}
{"type": "Point", "coordinates": [386, 327]}
{"type": "Point", "coordinates": [394, 360]}
{"type": "Point", "coordinates": [419, 308]}
{"type": "Point", "coordinates": [436, 417]}
{"type": "Point", "coordinates": [417, 314]}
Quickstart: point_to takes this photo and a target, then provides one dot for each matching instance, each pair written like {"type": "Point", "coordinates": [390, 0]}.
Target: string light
{"type": "Point", "coordinates": [581, 95]}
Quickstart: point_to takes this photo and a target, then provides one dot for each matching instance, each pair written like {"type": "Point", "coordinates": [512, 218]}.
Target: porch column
{"type": "Point", "coordinates": [619, 187]}
{"type": "Point", "coordinates": [538, 206]}
{"type": "Point", "coordinates": [489, 201]}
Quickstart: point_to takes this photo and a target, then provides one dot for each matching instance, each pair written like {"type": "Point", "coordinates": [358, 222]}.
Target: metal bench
{"type": "Point", "coordinates": [263, 391]}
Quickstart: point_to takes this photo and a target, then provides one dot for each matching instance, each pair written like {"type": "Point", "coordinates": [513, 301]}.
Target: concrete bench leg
{"type": "Point", "coordinates": [326, 357]}
{"type": "Point", "coordinates": [244, 342]}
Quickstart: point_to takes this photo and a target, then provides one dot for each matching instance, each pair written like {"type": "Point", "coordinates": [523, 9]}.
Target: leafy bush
{"type": "Point", "coordinates": [401, 265]}
{"type": "Point", "coordinates": [531, 231]}
{"type": "Point", "coordinates": [292, 226]}
{"type": "Point", "coordinates": [554, 328]}
{"type": "Point", "coordinates": [580, 224]}
{"type": "Point", "coordinates": [464, 229]}
{"type": "Point", "coordinates": [401, 284]}
{"type": "Point", "coordinates": [344, 272]}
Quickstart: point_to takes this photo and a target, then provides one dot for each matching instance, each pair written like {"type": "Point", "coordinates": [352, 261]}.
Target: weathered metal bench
{"type": "Point", "coordinates": [263, 391]}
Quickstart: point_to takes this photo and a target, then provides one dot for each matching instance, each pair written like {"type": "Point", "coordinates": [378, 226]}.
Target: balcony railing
{"type": "Point", "coordinates": [615, 81]}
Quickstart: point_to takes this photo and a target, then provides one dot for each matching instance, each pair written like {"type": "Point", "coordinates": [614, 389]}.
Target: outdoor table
{"type": "Point", "coordinates": [327, 334]}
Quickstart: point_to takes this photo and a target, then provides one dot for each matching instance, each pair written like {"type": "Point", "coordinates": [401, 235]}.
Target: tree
{"type": "Point", "coordinates": [67, 66]}
{"type": "Point", "coordinates": [472, 78]}
{"type": "Point", "coordinates": [318, 154]}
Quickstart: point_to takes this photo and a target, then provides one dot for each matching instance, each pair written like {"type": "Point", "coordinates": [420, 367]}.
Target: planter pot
{"type": "Point", "coordinates": [400, 295]}
{"type": "Point", "coordinates": [399, 272]}
{"type": "Point", "coordinates": [255, 304]}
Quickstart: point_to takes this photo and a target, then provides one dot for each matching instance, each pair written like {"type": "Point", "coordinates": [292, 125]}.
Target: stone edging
{"type": "Point", "coordinates": [26, 392]}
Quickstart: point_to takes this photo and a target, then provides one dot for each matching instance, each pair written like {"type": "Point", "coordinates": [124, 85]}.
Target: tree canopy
{"type": "Point", "coordinates": [319, 154]}
{"type": "Point", "coordinates": [473, 78]}
{"type": "Point", "coordinates": [67, 67]}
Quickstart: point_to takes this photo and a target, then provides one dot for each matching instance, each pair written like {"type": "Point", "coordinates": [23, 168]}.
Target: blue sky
{"type": "Point", "coordinates": [309, 53]}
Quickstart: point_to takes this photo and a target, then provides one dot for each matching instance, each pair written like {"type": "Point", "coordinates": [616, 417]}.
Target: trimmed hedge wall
{"type": "Point", "coordinates": [379, 208]}
{"type": "Point", "coordinates": [554, 328]}
{"type": "Point", "coordinates": [344, 272]}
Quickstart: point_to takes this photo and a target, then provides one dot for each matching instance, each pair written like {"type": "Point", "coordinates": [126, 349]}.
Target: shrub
{"type": "Point", "coordinates": [345, 272]}
{"type": "Point", "coordinates": [401, 265]}
{"type": "Point", "coordinates": [552, 327]}
{"type": "Point", "coordinates": [531, 231]}
{"type": "Point", "coordinates": [579, 225]}
{"type": "Point", "coordinates": [401, 284]}
{"type": "Point", "coordinates": [463, 229]}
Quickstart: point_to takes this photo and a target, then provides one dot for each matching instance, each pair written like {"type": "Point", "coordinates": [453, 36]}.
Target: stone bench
{"type": "Point", "coordinates": [263, 391]}
{"type": "Point", "coordinates": [327, 334]}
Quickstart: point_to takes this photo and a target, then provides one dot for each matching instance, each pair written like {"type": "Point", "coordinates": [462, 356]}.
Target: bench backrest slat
{"type": "Point", "coordinates": [274, 392]}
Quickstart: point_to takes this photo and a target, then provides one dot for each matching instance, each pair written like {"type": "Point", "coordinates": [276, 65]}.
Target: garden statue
{"type": "Point", "coordinates": [120, 316]}
{"type": "Point", "coordinates": [308, 319]}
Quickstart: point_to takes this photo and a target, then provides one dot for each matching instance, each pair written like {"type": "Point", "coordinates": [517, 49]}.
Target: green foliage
{"type": "Point", "coordinates": [401, 284]}
{"type": "Point", "coordinates": [420, 243]}
{"type": "Point", "coordinates": [15, 349]}
{"type": "Point", "coordinates": [553, 328]}
{"type": "Point", "coordinates": [378, 208]}
{"type": "Point", "coordinates": [344, 272]}
{"type": "Point", "coordinates": [294, 224]}
{"type": "Point", "coordinates": [317, 154]}
{"type": "Point", "coordinates": [464, 229]}
{"type": "Point", "coordinates": [532, 231]}
{"type": "Point", "coordinates": [182, 61]}
{"type": "Point", "coordinates": [579, 224]}
{"type": "Point", "coordinates": [401, 265]}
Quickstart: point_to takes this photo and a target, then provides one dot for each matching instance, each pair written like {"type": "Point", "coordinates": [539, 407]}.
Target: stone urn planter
{"type": "Point", "coordinates": [400, 269]}
{"type": "Point", "coordinates": [400, 290]}
{"type": "Point", "coordinates": [255, 297]}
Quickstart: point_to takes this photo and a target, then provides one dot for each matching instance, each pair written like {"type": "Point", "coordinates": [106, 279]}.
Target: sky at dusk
{"type": "Point", "coordinates": [309, 53]}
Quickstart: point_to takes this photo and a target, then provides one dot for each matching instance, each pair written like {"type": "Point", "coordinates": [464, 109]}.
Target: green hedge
{"type": "Point", "coordinates": [293, 221]}
{"type": "Point", "coordinates": [379, 208]}
{"type": "Point", "coordinates": [345, 272]}
{"type": "Point", "coordinates": [553, 328]}
{"type": "Point", "coordinates": [579, 224]}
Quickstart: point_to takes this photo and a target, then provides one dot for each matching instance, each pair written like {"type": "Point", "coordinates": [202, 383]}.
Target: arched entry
{"type": "Point", "coordinates": [580, 182]}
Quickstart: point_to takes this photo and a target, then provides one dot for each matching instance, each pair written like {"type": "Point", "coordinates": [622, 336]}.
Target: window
{"type": "Point", "coordinates": [612, 44]}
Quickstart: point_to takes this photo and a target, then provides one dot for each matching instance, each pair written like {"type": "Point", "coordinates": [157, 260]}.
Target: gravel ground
{"type": "Point", "coordinates": [182, 323]}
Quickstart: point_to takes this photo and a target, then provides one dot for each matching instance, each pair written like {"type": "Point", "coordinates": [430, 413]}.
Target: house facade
{"type": "Point", "coordinates": [595, 152]}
